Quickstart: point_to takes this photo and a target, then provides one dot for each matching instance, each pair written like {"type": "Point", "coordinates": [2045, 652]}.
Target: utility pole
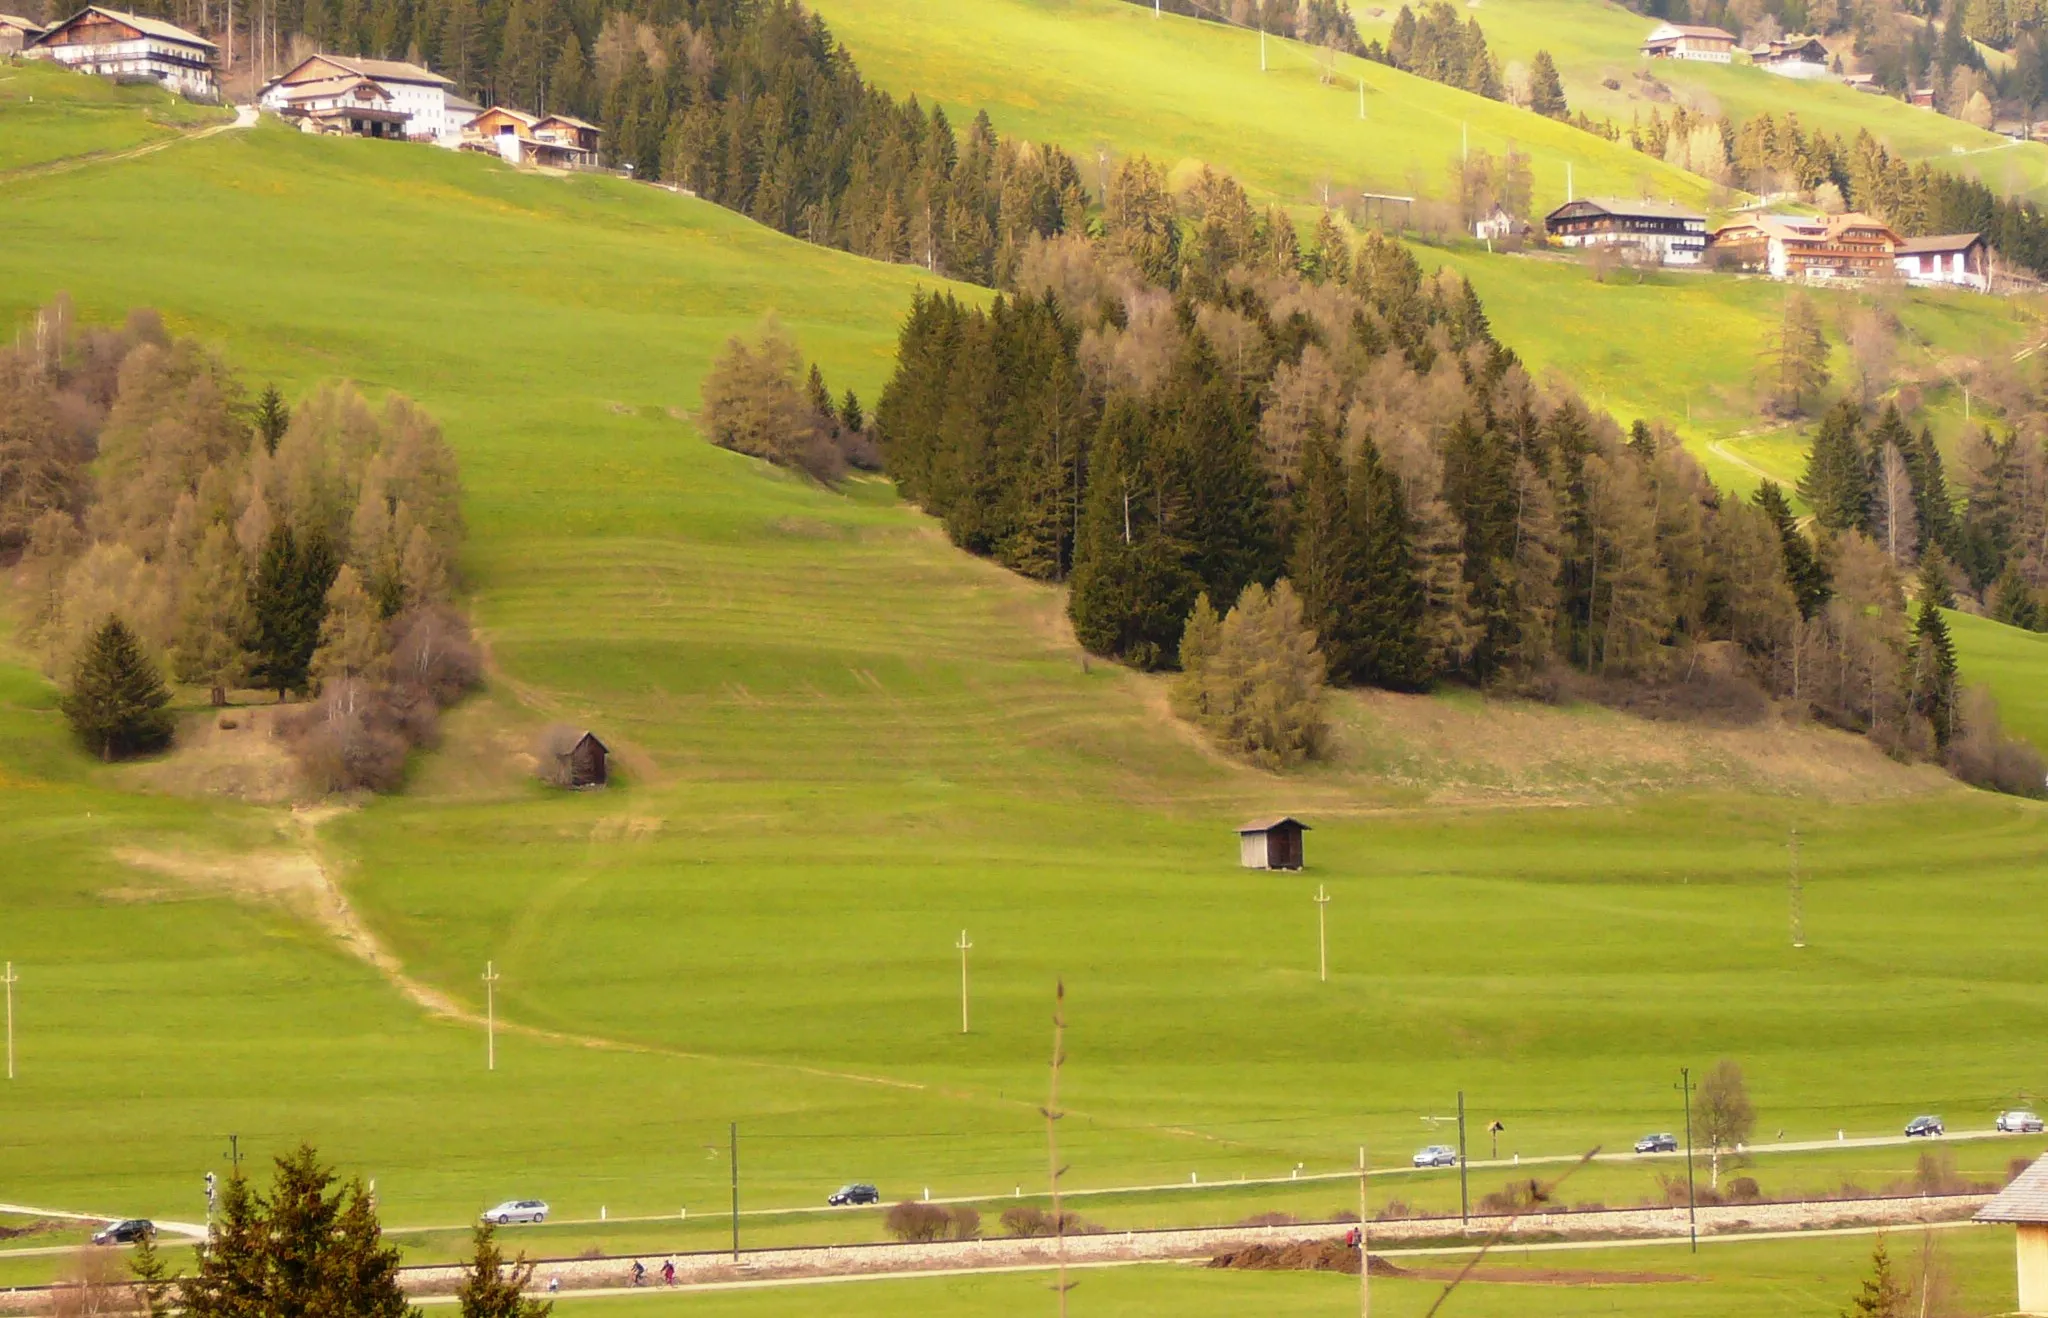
{"type": "Point", "coordinates": [490, 1016]}
{"type": "Point", "coordinates": [10, 979]}
{"type": "Point", "coordinates": [1364, 1245]}
{"type": "Point", "coordinates": [1569, 195]}
{"type": "Point", "coordinates": [1322, 900]}
{"type": "Point", "coordinates": [1464, 1190]}
{"type": "Point", "coordinates": [1361, 98]}
{"type": "Point", "coordinates": [735, 1191]}
{"type": "Point", "coordinates": [235, 1153]}
{"type": "Point", "coordinates": [1262, 46]}
{"type": "Point", "coordinates": [963, 945]}
{"type": "Point", "coordinates": [1464, 141]}
{"type": "Point", "coordinates": [1798, 896]}
{"type": "Point", "coordinates": [1052, 1116]}
{"type": "Point", "coordinates": [1692, 1219]}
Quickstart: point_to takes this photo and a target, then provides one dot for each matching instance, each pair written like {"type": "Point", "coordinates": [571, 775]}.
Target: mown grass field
{"type": "Point", "coordinates": [1775, 1279]}
{"type": "Point", "coordinates": [841, 742]}
{"type": "Point", "coordinates": [1594, 40]}
{"type": "Point", "coordinates": [1092, 74]}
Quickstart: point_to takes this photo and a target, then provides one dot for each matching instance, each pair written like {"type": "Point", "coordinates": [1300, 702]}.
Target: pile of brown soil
{"type": "Point", "coordinates": [1302, 1256]}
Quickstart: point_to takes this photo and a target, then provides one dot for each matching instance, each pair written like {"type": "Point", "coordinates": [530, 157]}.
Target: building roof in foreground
{"type": "Point", "coordinates": [2024, 1201]}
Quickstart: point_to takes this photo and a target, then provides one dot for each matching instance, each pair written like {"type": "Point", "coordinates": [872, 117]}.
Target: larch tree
{"type": "Point", "coordinates": [116, 701]}
{"type": "Point", "coordinates": [352, 641]}
{"type": "Point", "coordinates": [1797, 356]}
{"type": "Point", "coordinates": [214, 619]}
{"type": "Point", "coordinates": [1254, 683]}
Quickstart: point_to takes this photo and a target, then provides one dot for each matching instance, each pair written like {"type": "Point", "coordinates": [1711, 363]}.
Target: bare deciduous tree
{"type": "Point", "coordinates": [1722, 1115]}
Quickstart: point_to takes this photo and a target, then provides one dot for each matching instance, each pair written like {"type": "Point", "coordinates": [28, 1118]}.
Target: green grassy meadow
{"type": "Point", "coordinates": [1594, 40]}
{"type": "Point", "coordinates": [53, 114]}
{"type": "Point", "coordinates": [840, 743]}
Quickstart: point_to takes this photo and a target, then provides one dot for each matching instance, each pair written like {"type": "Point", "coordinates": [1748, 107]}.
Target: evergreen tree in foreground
{"type": "Point", "coordinates": [289, 601]}
{"type": "Point", "coordinates": [1546, 89]}
{"type": "Point", "coordinates": [273, 417]}
{"type": "Point", "coordinates": [1804, 571]}
{"type": "Point", "coordinates": [309, 1249]}
{"type": "Point", "coordinates": [1881, 1295]}
{"type": "Point", "coordinates": [1837, 483]}
{"type": "Point", "coordinates": [117, 703]}
{"type": "Point", "coordinates": [1934, 673]}
{"type": "Point", "coordinates": [492, 1289]}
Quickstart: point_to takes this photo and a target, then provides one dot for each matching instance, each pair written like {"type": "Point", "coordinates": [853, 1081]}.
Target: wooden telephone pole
{"type": "Point", "coordinates": [963, 945]}
{"type": "Point", "coordinates": [10, 979]}
{"type": "Point", "coordinates": [1322, 900]}
{"type": "Point", "coordinates": [490, 1016]}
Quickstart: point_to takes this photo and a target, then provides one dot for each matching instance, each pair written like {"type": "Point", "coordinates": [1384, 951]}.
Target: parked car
{"type": "Point", "coordinates": [1437, 1155]}
{"type": "Point", "coordinates": [1666, 1143]}
{"type": "Point", "coordinates": [125, 1232]}
{"type": "Point", "coordinates": [860, 1192]}
{"type": "Point", "coordinates": [2020, 1122]}
{"type": "Point", "coordinates": [1925, 1126]}
{"type": "Point", "coordinates": [517, 1210]}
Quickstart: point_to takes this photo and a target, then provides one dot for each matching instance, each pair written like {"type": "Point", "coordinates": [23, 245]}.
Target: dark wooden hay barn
{"type": "Point", "coordinates": [586, 764]}
{"type": "Point", "coordinates": [1271, 844]}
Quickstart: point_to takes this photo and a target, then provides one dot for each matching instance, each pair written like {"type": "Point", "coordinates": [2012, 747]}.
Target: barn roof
{"type": "Point", "coordinates": [591, 737]}
{"type": "Point", "coordinates": [149, 27]}
{"type": "Point", "coordinates": [1631, 207]}
{"type": "Point", "coordinates": [1938, 242]}
{"type": "Point", "coordinates": [1268, 825]}
{"type": "Point", "coordinates": [21, 24]}
{"type": "Point", "coordinates": [2024, 1201]}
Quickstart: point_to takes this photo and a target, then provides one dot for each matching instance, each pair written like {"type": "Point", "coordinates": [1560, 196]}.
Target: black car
{"type": "Point", "coordinates": [858, 1193]}
{"type": "Point", "coordinates": [125, 1232]}
{"type": "Point", "coordinates": [1657, 1144]}
{"type": "Point", "coordinates": [1925, 1126]}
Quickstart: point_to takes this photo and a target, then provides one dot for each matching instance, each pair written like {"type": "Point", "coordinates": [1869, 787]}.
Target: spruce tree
{"type": "Point", "coordinates": [155, 1284]}
{"type": "Point", "coordinates": [1386, 634]}
{"type": "Point", "coordinates": [1805, 573]}
{"type": "Point", "coordinates": [1933, 693]}
{"type": "Point", "coordinates": [116, 702]}
{"type": "Point", "coordinates": [1546, 89]}
{"type": "Point", "coordinates": [851, 418]}
{"type": "Point", "coordinates": [273, 417]}
{"type": "Point", "coordinates": [1837, 484]}
{"type": "Point", "coordinates": [1325, 564]}
{"type": "Point", "coordinates": [288, 601]}
{"type": "Point", "coordinates": [1881, 1295]}
{"type": "Point", "coordinates": [2013, 601]}
{"type": "Point", "coordinates": [1132, 586]}
{"type": "Point", "coordinates": [1933, 584]}
{"type": "Point", "coordinates": [489, 1289]}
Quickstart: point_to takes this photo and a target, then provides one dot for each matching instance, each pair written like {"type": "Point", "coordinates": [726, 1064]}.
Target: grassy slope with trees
{"type": "Point", "coordinates": [1105, 73]}
{"type": "Point", "coordinates": [841, 741]}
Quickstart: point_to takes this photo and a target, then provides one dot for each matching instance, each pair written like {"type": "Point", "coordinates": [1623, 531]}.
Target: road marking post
{"type": "Point", "coordinates": [10, 979]}
{"type": "Point", "coordinates": [1322, 900]}
{"type": "Point", "coordinates": [963, 945]}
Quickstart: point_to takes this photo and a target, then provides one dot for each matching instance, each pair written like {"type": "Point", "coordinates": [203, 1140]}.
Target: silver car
{"type": "Point", "coordinates": [1437, 1155]}
{"type": "Point", "coordinates": [2019, 1122]}
{"type": "Point", "coordinates": [517, 1210]}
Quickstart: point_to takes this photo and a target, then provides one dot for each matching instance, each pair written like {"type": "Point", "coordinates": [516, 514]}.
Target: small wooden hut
{"type": "Point", "coordinates": [586, 764]}
{"type": "Point", "coordinates": [1271, 844]}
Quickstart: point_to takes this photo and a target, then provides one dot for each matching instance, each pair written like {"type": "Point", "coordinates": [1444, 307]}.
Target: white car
{"type": "Point", "coordinates": [2019, 1122]}
{"type": "Point", "coordinates": [517, 1210]}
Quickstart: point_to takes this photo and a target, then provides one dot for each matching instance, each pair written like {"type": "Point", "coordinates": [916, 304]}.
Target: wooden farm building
{"type": "Point", "coordinates": [1690, 41]}
{"type": "Point", "coordinates": [125, 46]}
{"type": "Point", "coordinates": [587, 763]}
{"type": "Point", "coordinates": [17, 33]}
{"type": "Point", "coordinates": [555, 140]}
{"type": "Point", "coordinates": [2024, 1205]}
{"type": "Point", "coordinates": [413, 102]}
{"type": "Point", "coordinates": [1813, 248]}
{"type": "Point", "coordinates": [1792, 57]}
{"type": "Point", "coordinates": [1958, 260]}
{"type": "Point", "coordinates": [1671, 234]}
{"type": "Point", "coordinates": [1270, 844]}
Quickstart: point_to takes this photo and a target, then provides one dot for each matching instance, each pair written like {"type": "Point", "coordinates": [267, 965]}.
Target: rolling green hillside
{"type": "Point", "coordinates": [841, 742]}
{"type": "Point", "coordinates": [53, 114]}
{"type": "Point", "coordinates": [1594, 40]}
{"type": "Point", "coordinates": [1089, 73]}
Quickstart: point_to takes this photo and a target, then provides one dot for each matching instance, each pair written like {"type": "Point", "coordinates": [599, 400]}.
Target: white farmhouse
{"type": "Point", "coordinates": [1955, 260]}
{"type": "Point", "coordinates": [114, 44]}
{"type": "Point", "coordinates": [421, 96]}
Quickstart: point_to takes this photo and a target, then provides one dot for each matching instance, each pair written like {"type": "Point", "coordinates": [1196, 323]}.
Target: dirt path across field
{"type": "Point", "coordinates": [245, 117]}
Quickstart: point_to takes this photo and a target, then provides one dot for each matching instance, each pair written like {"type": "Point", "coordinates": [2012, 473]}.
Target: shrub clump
{"type": "Point", "coordinates": [922, 1222]}
{"type": "Point", "coordinates": [1029, 1220]}
{"type": "Point", "coordinates": [754, 403]}
{"type": "Point", "coordinates": [359, 731]}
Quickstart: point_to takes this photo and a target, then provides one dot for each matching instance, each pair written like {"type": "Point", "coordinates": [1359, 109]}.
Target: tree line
{"type": "Point", "coordinates": [1352, 429]}
{"type": "Point", "coordinates": [165, 521]}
